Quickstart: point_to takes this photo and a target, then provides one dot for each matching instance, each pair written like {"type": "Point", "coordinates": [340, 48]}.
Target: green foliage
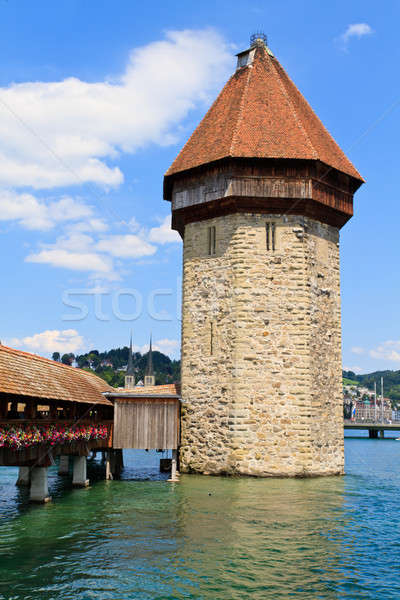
{"type": "Point", "coordinates": [347, 381]}
{"type": "Point", "coordinates": [67, 359]}
{"type": "Point", "coordinates": [165, 369]}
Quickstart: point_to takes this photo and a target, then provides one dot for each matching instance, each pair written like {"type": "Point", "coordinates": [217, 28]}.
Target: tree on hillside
{"type": "Point", "coordinates": [93, 358]}
{"type": "Point", "coordinates": [68, 359]}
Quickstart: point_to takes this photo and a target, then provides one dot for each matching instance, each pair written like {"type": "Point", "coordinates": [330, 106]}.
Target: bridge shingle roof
{"type": "Point", "coordinates": [25, 374]}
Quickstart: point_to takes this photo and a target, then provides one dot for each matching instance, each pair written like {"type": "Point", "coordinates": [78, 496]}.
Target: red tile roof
{"type": "Point", "coordinates": [31, 375]}
{"type": "Point", "coordinates": [173, 389]}
{"type": "Point", "coordinates": [260, 113]}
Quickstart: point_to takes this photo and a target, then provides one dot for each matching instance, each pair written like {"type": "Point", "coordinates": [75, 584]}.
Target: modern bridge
{"type": "Point", "coordinates": [374, 428]}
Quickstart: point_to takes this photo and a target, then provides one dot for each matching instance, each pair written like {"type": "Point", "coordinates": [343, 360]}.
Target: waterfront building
{"type": "Point", "coordinates": [259, 194]}
{"type": "Point", "coordinates": [366, 410]}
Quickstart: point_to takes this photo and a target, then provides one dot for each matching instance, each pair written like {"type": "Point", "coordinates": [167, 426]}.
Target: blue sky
{"type": "Point", "coordinates": [96, 99]}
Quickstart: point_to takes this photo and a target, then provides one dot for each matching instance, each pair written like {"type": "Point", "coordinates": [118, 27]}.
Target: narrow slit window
{"type": "Point", "coordinates": [211, 241]}
{"type": "Point", "coordinates": [211, 338]}
{"type": "Point", "coordinates": [270, 233]}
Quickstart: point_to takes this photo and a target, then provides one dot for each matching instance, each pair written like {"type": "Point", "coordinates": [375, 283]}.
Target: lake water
{"type": "Point", "coordinates": [208, 538]}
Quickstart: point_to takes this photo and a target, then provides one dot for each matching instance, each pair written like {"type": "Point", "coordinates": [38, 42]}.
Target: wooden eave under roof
{"type": "Point", "coordinates": [31, 376]}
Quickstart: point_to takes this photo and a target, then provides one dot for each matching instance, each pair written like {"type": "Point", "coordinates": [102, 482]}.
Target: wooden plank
{"type": "Point", "coordinates": [147, 424]}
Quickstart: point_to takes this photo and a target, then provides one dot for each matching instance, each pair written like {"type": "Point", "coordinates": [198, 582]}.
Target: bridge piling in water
{"type": "Point", "coordinates": [24, 476]}
{"type": "Point", "coordinates": [79, 472]}
{"type": "Point", "coordinates": [107, 455]}
{"type": "Point", "coordinates": [39, 490]}
{"type": "Point", "coordinates": [63, 466]}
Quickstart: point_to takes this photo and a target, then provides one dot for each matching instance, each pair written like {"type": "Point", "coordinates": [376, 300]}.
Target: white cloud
{"type": "Point", "coordinates": [36, 214]}
{"type": "Point", "coordinates": [358, 350]}
{"type": "Point", "coordinates": [126, 246]}
{"type": "Point", "coordinates": [357, 370]}
{"type": "Point", "coordinates": [389, 350]}
{"type": "Point", "coordinates": [164, 234]}
{"type": "Point", "coordinates": [356, 30]}
{"type": "Point", "coordinates": [93, 224]}
{"type": "Point", "coordinates": [85, 246]}
{"type": "Point", "coordinates": [71, 131]}
{"type": "Point", "coordinates": [79, 251]}
{"type": "Point", "coordinates": [77, 261]}
{"type": "Point", "coordinates": [50, 341]}
{"type": "Point", "coordinates": [167, 346]}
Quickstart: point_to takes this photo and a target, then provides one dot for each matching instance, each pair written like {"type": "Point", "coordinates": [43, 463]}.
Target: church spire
{"type": "Point", "coordinates": [130, 373]}
{"type": "Point", "coordinates": [149, 378]}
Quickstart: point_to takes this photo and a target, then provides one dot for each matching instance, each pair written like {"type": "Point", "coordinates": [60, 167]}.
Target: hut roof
{"type": "Point", "coordinates": [172, 390]}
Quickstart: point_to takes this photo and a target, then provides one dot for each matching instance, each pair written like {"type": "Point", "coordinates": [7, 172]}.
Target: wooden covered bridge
{"type": "Point", "coordinates": [50, 411]}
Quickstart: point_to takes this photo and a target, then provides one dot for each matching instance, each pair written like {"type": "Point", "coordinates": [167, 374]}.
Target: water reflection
{"type": "Point", "coordinates": [208, 538]}
{"type": "Point", "coordinates": [262, 537]}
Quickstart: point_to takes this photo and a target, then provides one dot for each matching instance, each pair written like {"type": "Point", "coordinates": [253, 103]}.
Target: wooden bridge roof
{"type": "Point", "coordinates": [260, 113]}
{"type": "Point", "coordinates": [25, 374]}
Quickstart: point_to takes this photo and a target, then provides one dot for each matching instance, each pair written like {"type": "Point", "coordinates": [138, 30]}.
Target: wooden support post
{"type": "Point", "coordinates": [109, 475]}
{"type": "Point", "coordinates": [63, 466]}
{"type": "Point", "coordinates": [3, 408]}
{"type": "Point", "coordinates": [119, 463]}
{"type": "Point", "coordinates": [13, 412]}
{"type": "Point", "coordinates": [382, 433]}
{"type": "Point", "coordinates": [39, 490]}
{"type": "Point", "coordinates": [79, 472]}
{"type": "Point", "coordinates": [24, 476]}
{"type": "Point", "coordinates": [174, 474]}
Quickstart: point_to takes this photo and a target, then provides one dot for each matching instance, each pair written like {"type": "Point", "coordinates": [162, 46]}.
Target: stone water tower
{"type": "Point", "coordinates": [259, 194]}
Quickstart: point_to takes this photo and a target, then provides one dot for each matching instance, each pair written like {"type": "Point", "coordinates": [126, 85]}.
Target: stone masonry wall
{"type": "Point", "coordinates": [261, 349]}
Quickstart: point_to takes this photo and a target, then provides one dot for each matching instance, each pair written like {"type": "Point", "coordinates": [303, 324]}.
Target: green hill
{"type": "Point", "coordinates": [391, 382]}
{"type": "Point", "coordinates": [109, 365]}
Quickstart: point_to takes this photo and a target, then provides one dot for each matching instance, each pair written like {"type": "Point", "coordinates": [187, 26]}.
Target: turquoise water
{"type": "Point", "coordinates": [208, 538]}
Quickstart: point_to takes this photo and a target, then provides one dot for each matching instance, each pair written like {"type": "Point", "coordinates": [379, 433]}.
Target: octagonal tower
{"type": "Point", "coordinates": [258, 194]}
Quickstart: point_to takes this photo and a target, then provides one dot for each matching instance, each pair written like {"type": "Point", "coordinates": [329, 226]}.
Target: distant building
{"type": "Point", "coordinates": [367, 411]}
{"type": "Point", "coordinates": [106, 363]}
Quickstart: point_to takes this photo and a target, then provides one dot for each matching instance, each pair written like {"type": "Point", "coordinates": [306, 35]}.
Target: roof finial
{"type": "Point", "coordinates": [258, 39]}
